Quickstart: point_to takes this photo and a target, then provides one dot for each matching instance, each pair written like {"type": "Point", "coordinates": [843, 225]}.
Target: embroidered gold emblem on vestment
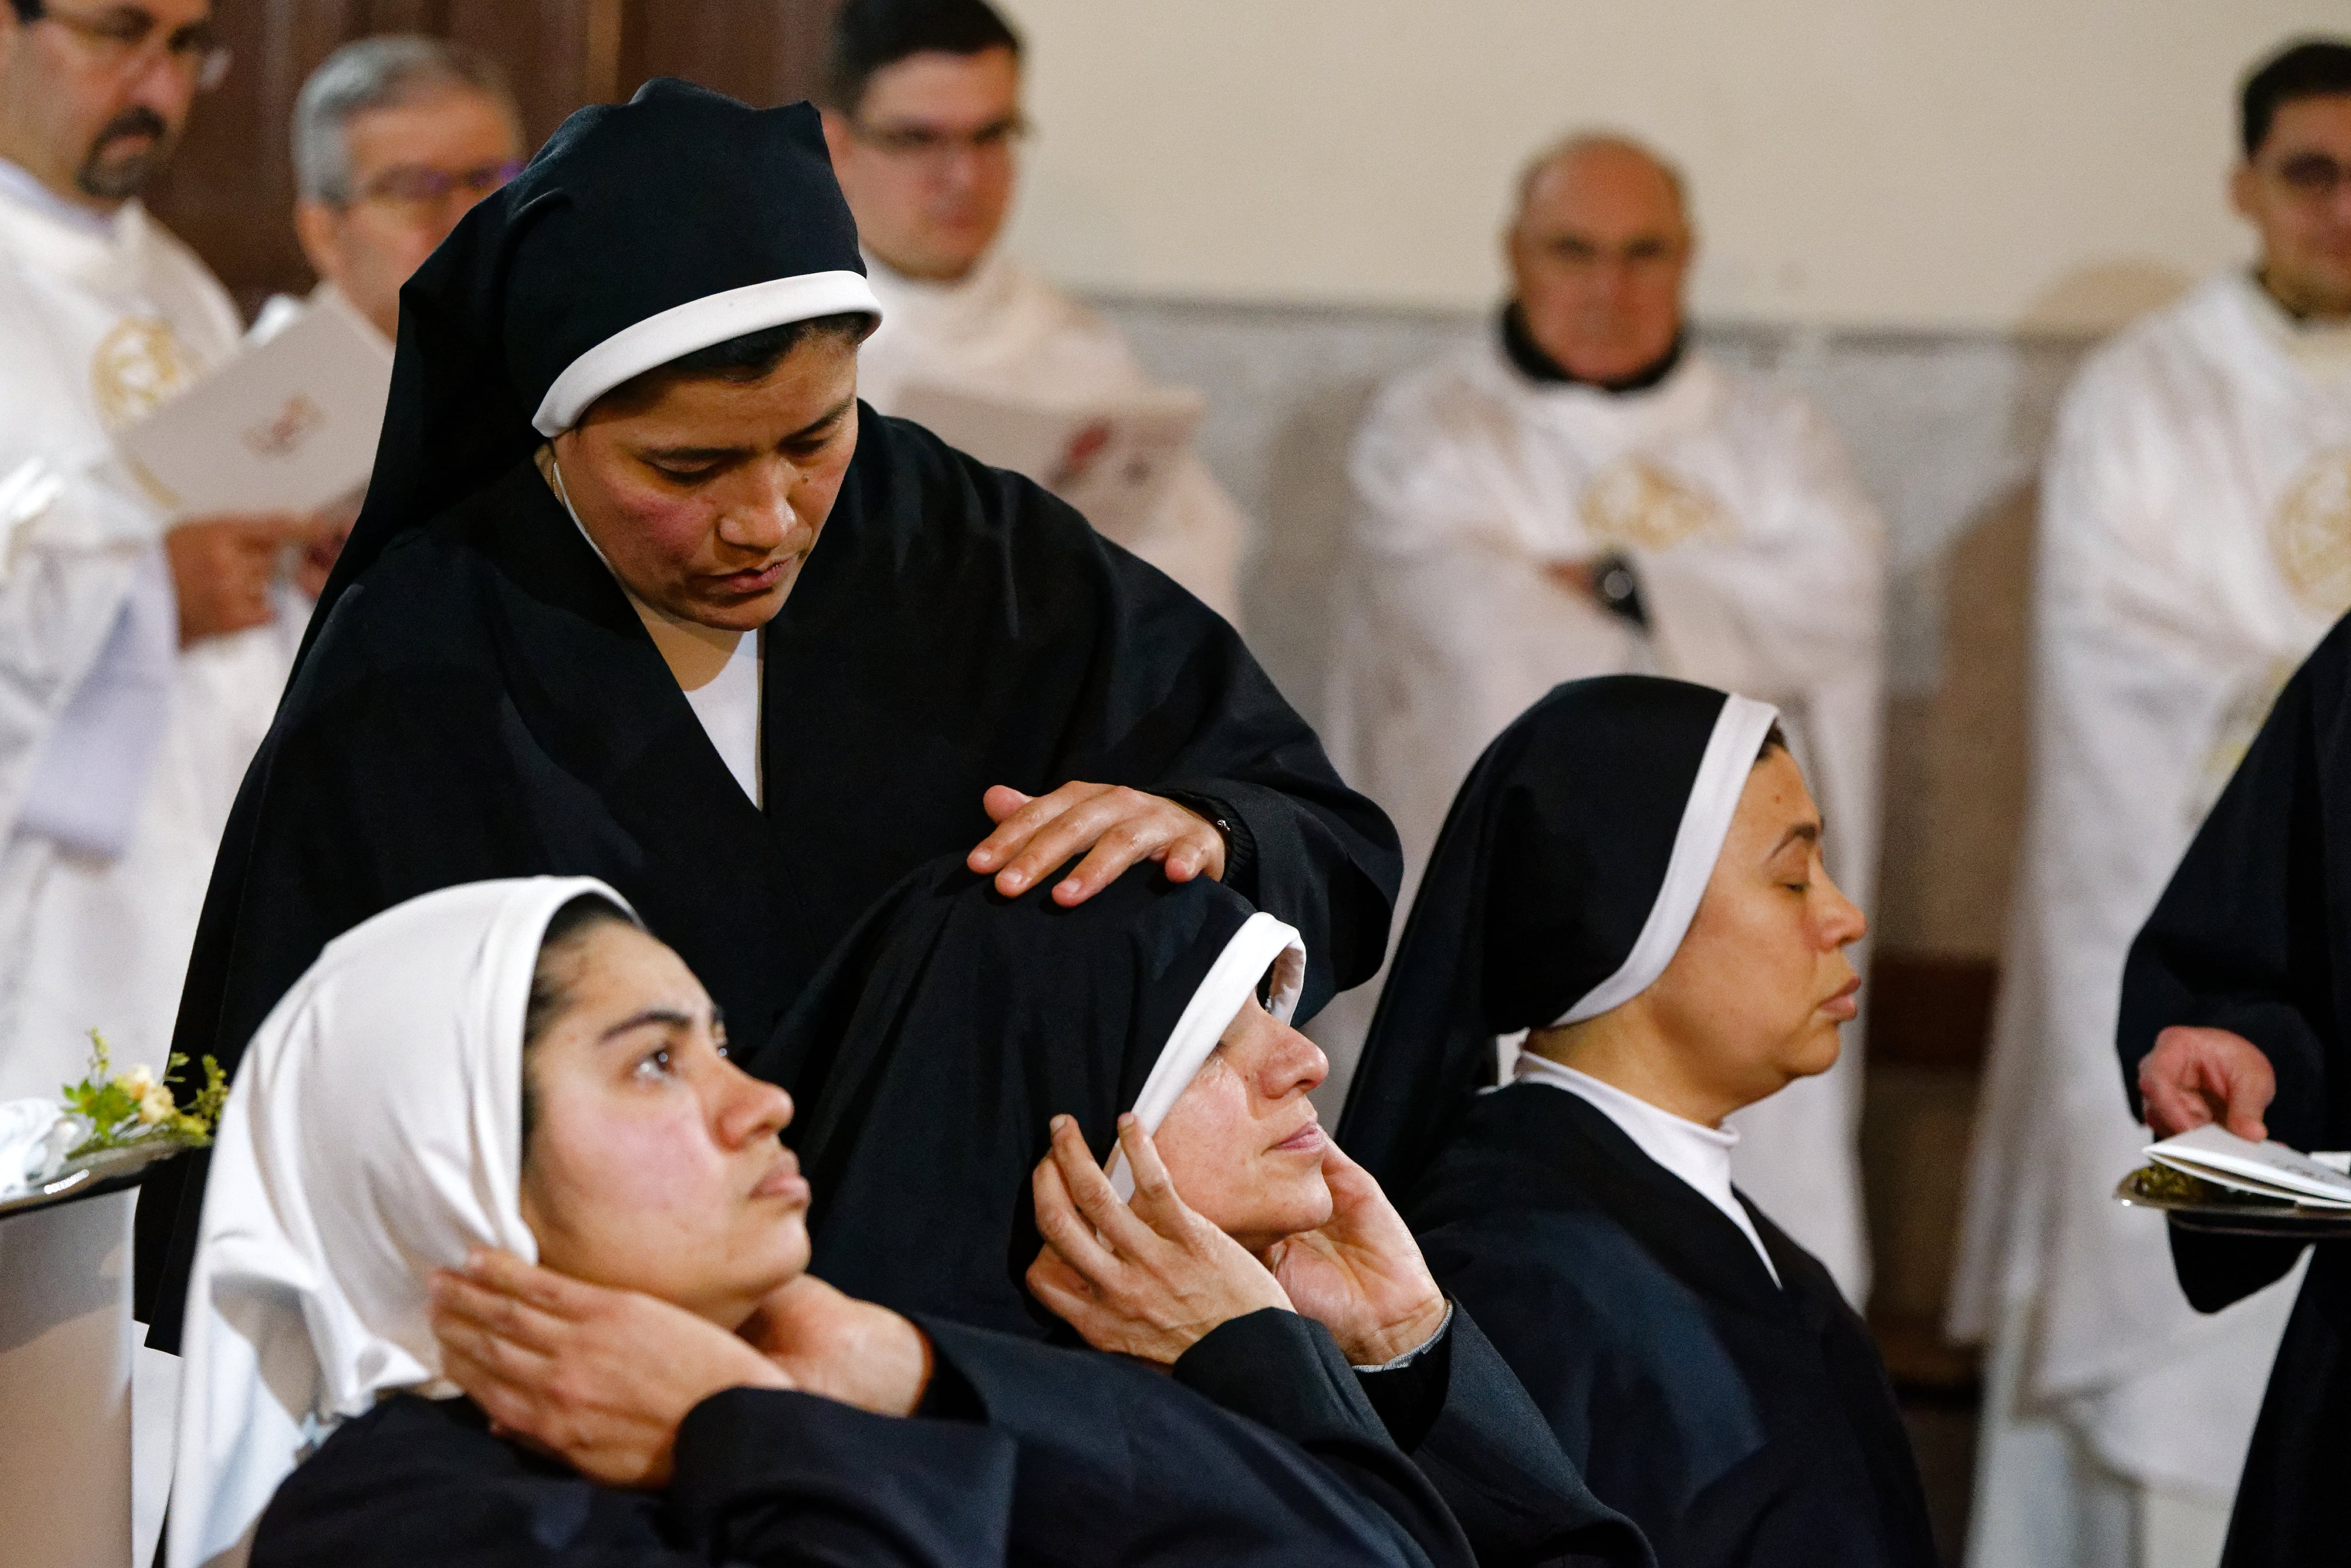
{"type": "Point", "coordinates": [2310, 533]}
{"type": "Point", "coordinates": [137, 366]}
{"type": "Point", "coordinates": [1634, 503]}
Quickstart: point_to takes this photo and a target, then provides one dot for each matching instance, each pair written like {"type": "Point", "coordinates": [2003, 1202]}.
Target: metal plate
{"type": "Point", "coordinates": [108, 1170]}
{"type": "Point", "coordinates": [2196, 1205]}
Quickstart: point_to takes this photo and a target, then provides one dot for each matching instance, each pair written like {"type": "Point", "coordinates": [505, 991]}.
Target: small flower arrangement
{"type": "Point", "coordinates": [121, 1110]}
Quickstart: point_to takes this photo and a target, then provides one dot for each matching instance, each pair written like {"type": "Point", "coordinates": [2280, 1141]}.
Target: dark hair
{"type": "Point", "coordinates": [2308, 67]}
{"type": "Point", "coordinates": [752, 357]}
{"type": "Point", "coordinates": [27, 10]}
{"type": "Point", "coordinates": [550, 997]}
{"type": "Point", "coordinates": [869, 34]}
{"type": "Point", "coordinates": [1774, 739]}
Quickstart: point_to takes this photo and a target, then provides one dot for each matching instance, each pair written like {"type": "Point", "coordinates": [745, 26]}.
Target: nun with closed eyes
{"type": "Point", "coordinates": [1630, 884]}
{"type": "Point", "coordinates": [641, 591]}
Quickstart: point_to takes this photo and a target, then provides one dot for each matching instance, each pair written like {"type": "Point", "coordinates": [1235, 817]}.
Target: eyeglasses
{"type": "Point", "coordinates": [127, 42]}
{"type": "Point", "coordinates": [929, 145]}
{"type": "Point", "coordinates": [419, 186]}
{"type": "Point", "coordinates": [2311, 176]}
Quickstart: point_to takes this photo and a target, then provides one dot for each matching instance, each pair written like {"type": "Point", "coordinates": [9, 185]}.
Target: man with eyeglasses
{"type": "Point", "coordinates": [921, 115]}
{"type": "Point", "coordinates": [2195, 545]}
{"type": "Point", "coordinates": [140, 669]}
{"type": "Point", "coordinates": [394, 138]}
{"type": "Point", "coordinates": [1582, 491]}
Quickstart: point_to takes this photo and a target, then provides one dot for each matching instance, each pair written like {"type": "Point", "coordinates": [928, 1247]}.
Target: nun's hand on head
{"type": "Point", "coordinates": [600, 1378]}
{"type": "Point", "coordinates": [1360, 1275]}
{"type": "Point", "coordinates": [1113, 826]}
{"type": "Point", "coordinates": [1148, 1278]}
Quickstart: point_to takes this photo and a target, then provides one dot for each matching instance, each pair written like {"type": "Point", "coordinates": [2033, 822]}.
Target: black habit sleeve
{"type": "Point", "coordinates": [1121, 1465]}
{"type": "Point", "coordinates": [1468, 1423]}
{"type": "Point", "coordinates": [775, 1479]}
{"type": "Point", "coordinates": [2243, 939]}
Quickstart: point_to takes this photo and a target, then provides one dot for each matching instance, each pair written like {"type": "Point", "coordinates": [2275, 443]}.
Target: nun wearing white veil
{"type": "Point", "coordinates": [376, 1132]}
{"type": "Point", "coordinates": [1631, 882]}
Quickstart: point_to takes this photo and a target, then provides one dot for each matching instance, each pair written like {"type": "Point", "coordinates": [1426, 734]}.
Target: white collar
{"type": "Point", "coordinates": [18, 184]}
{"type": "Point", "coordinates": [2322, 349]}
{"type": "Point", "coordinates": [958, 307]}
{"type": "Point", "coordinates": [1698, 1153]}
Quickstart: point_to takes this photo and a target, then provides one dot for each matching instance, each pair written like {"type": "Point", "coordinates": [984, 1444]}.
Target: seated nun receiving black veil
{"type": "Point", "coordinates": [958, 1036]}
{"type": "Point", "coordinates": [781, 652]}
{"type": "Point", "coordinates": [516, 1070]}
{"type": "Point", "coordinates": [1633, 873]}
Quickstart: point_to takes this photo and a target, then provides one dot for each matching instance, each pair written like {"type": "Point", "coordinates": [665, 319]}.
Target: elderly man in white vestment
{"type": "Point", "coordinates": [395, 138]}
{"type": "Point", "coordinates": [138, 669]}
{"type": "Point", "coordinates": [2195, 544]}
{"type": "Point", "coordinates": [921, 115]}
{"type": "Point", "coordinates": [1582, 492]}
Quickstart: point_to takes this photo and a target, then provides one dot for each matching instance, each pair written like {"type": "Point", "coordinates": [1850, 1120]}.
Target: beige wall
{"type": "Point", "coordinates": [1992, 165]}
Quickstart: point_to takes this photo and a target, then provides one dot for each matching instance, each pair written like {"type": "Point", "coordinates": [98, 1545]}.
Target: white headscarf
{"type": "Point", "coordinates": [373, 1133]}
{"type": "Point", "coordinates": [1261, 942]}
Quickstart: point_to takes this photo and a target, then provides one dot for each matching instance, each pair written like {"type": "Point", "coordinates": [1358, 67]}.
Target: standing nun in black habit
{"type": "Point", "coordinates": [1632, 876]}
{"type": "Point", "coordinates": [623, 429]}
{"type": "Point", "coordinates": [945, 1039]}
{"type": "Point", "coordinates": [2232, 1007]}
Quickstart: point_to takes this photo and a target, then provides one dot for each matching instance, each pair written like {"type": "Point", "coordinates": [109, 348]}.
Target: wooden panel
{"type": "Point", "coordinates": [1929, 1010]}
{"type": "Point", "coordinates": [763, 52]}
{"type": "Point", "coordinates": [544, 45]}
{"type": "Point", "coordinates": [230, 191]}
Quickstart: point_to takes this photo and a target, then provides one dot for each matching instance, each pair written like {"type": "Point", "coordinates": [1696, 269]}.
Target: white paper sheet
{"type": "Point", "coordinates": [1112, 459]}
{"type": "Point", "coordinates": [288, 425]}
{"type": "Point", "coordinates": [2266, 1170]}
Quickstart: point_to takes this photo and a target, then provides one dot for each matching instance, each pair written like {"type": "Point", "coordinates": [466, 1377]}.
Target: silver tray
{"type": "Point", "coordinates": [2193, 1204]}
{"type": "Point", "coordinates": [108, 1170]}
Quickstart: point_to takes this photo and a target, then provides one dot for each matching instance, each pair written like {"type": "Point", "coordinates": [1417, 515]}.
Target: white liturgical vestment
{"type": "Point", "coordinates": [1004, 329]}
{"type": "Point", "coordinates": [1760, 565]}
{"type": "Point", "coordinates": [2195, 545]}
{"type": "Point", "coordinates": [119, 758]}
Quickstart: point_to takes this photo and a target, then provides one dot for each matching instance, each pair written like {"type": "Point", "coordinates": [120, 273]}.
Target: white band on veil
{"type": "Point", "coordinates": [1729, 757]}
{"type": "Point", "coordinates": [1261, 943]}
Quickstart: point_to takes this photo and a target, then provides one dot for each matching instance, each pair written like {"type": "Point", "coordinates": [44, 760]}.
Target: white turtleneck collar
{"type": "Point", "coordinates": [1698, 1154]}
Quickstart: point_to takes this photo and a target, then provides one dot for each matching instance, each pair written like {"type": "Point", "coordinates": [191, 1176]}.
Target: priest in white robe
{"type": "Point", "coordinates": [138, 669]}
{"type": "Point", "coordinates": [2195, 544]}
{"type": "Point", "coordinates": [1582, 492]}
{"type": "Point", "coordinates": [922, 116]}
{"type": "Point", "coordinates": [395, 138]}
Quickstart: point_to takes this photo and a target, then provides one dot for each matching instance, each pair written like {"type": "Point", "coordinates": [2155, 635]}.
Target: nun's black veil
{"type": "Point", "coordinates": [1553, 856]}
{"type": "Point", "coordinates": [477, 698]}
{"type": "Point", "coordinates": [556, 263]}
{"type": "Point", "coordinates": [938, 1043]}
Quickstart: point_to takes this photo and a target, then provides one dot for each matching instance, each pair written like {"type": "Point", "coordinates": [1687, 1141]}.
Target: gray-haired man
{"type": "Point", "coordinates": [394, 137]}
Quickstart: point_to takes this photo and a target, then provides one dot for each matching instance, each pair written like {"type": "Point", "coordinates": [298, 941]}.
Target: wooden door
{"type": "Point", "coordinates": [230, 191]}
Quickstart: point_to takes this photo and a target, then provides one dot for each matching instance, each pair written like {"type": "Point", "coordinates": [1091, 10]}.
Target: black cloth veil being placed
{"type": "Point", "coordinates": [1566, 874]}
{"type": "Point", "coordinates": [933, 1051]}
{"type": "Point", "coordinates": [1738, 1418]}
{"type": "Point", "coordinates": [478, 699]}
{"type": "Point", "coordinates": [2253, 936]}
{"type": "Point", "coordinates": [937, 1045]}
